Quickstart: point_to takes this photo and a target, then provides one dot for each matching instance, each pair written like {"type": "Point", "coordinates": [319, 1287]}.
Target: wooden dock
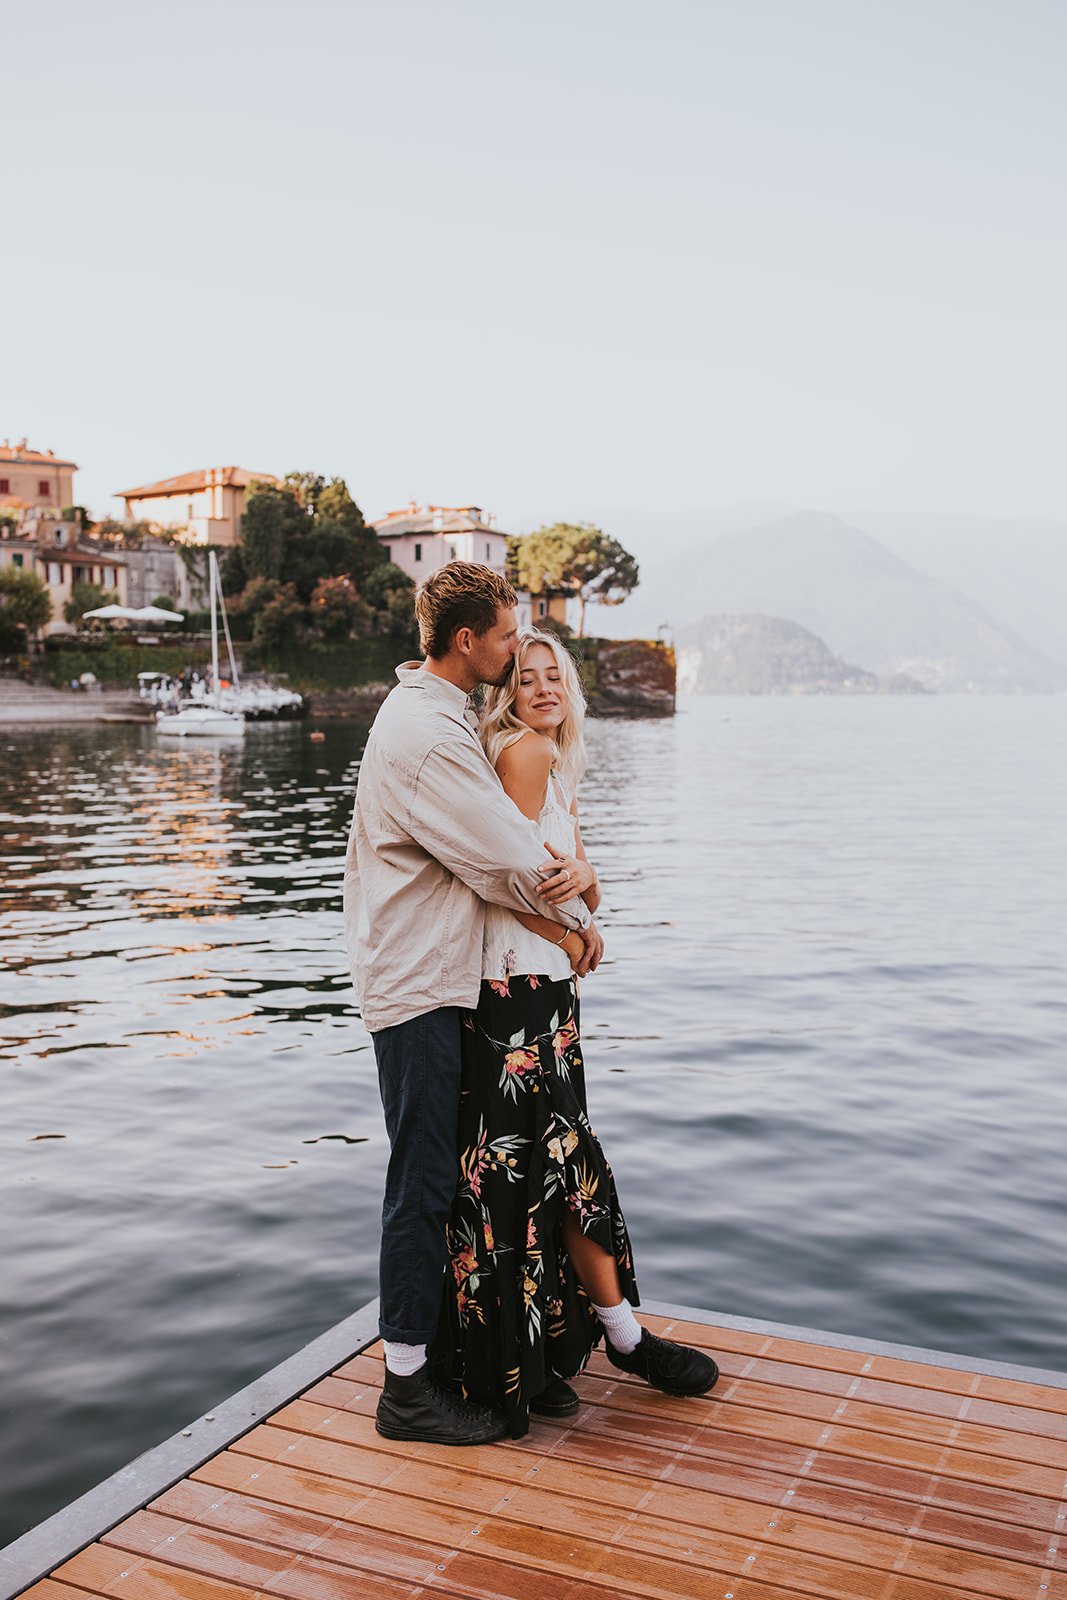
{"type": "Point", "coordinates": [819, 1467]}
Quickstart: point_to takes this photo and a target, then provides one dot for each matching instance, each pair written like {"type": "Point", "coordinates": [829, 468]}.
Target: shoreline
{"type": "Point", "coordinates": [24, 704]}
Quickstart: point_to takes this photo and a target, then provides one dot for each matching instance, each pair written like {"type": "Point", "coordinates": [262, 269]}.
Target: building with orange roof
{"type": "Point", "coordinates": [208, 505]}
{"type": "Point", "coordinates": [34, 478]}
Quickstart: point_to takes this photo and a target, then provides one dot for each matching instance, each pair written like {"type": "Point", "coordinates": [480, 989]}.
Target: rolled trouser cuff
{"type": "Point", "coordinates": [406, 1335]}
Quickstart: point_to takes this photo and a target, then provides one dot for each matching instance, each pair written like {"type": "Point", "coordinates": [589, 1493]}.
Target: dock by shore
{"type": "Point", "coordinates": [822, 1467]}
{"type": "Point", "coordinates": [28, 704]}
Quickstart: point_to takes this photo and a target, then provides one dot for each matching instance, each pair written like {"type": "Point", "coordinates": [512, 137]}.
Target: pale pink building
{"type": "Point", "coordinates": [422, 538]}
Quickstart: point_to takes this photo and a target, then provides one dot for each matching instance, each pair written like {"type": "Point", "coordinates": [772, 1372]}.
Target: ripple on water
{"type": "Point", "coordinates": [824, 1051]}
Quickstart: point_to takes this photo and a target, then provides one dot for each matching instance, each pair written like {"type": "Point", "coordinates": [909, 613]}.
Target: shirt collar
{"type": "Point", "coordinates": [413, 675]}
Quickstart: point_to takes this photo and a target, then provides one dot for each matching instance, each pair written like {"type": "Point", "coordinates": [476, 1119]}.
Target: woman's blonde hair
{"type": "Point", "coordinates": [500, 726]}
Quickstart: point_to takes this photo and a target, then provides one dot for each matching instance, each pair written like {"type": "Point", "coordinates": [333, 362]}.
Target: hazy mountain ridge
{"type": "Point", "coordinates": [1014, 568]}
{"type": "Point", "coordinates": [755, 654]}
{"type": "Point", "coordinates": [868, 604]}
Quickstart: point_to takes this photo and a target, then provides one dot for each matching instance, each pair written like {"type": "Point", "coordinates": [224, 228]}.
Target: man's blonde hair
{"type": "Point", "coordinates": [462, 594]}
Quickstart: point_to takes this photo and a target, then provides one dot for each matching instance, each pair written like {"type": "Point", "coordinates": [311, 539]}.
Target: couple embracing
{"type": "Point", "coordinates": [469, 903]}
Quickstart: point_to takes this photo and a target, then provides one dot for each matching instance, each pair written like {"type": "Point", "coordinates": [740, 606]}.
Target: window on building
{"type": "Point", "coordinates": [5, 485]}
{"type": "Point", "coordinates": [418, 552]}
{"type": "Point", "coordinates": [541, 608]}
{"type": "Point", "coordinates": [451, 552]}
{"type": "Point", "coordinates": [16, 558]}
{"type": "Point", "coordinates": [58, 536]}
{"type": "Point", "coordinates": [190, 511]}
{"type": "Point", "coordinates": [42, 488]}
{"type": "Point", "coordinates": [79, 575]}
{"type": "Point", "coordinates": [388, 551]}
{"type": "Point", "coordinates": [109, 577]}
{"type": "Point", "coordinates": [488, 551]}
{"type": "Point", "coordinates": [55, 572]}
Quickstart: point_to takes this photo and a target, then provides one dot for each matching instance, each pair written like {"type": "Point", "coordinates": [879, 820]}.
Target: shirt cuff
{"type": "Point", "coordinates": [578, 910]}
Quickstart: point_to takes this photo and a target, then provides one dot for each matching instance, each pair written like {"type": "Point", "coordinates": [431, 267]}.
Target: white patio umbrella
{"type": "Point", "coordinates": [157, 614]}
{"type": "Point", "coordinates": [113, 614]}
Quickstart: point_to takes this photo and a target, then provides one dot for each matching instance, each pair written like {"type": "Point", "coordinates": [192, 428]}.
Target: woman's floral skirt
{"type": "Point", "coordinates": [514, 1314]}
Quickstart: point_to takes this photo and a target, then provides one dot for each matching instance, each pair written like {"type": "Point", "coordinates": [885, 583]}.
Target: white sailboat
{"type": "Point", "coordinates": [208, 716]}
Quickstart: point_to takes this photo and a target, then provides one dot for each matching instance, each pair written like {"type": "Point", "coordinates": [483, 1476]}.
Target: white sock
{"type": "Point", "coordinates": [620, 1325]}
{"type": "Point", "coordinates": [403, 1359]}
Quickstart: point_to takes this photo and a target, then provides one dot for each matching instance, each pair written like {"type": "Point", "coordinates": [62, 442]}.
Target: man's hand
{"type": "Point", "coordinates": [594, 949]}
{"type": "Point", "coordinates": [565, 876]}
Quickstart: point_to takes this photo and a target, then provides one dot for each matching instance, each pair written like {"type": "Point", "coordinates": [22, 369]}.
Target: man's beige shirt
{"type": "Point", "coordinates": [434, 837]}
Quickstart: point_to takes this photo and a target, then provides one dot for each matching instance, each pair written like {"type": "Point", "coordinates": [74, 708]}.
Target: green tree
{"type": "Point", "coordinates": [233, 571]}
{"type": "Point", "coordinates": [391, 593]}
{"type": "Point", "coordinates": [166, 602]}
{"type": "Point", "coordinates": [25, 606]}
{"type": "Point", "coordinates": [281, 623]}
{"type": "Point", "coordinates": [575, 560]}
{"type": "Point", "coordinates": [305, 531]}
{"type": "Point", "coordinates": [305, 487]}
{"type": "Point", "coordinates": [338, 611]}
{"type": "Point", "coordinates": [273, 519]}
{"type": "Point", "coordinates": [336, 504]}
{"type": "Point", "coordinates": [83, 597]}
{"type": "Point", "coordinates": [244, 608]}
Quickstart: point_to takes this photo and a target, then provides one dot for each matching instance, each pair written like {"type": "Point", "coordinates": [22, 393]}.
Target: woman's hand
{"type": "Point", "coordinates": [565, 877]}
{"type": "Point", "coordinates": [584, 950]}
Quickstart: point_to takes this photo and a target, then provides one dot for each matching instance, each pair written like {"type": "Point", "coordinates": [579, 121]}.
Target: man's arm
{"type": "Point", "coordinates": [461, 816]}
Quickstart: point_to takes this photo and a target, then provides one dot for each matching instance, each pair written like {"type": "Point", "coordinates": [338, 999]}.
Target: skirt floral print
{"type": "Point", "coordinates": [514, 1314]}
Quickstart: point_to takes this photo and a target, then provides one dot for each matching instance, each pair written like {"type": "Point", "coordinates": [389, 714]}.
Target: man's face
{"type": "Point", "coordinates": [492, 655]}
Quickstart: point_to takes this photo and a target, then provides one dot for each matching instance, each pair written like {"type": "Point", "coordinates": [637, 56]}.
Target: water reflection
{"type": "Point", "coordinates": [835, 936]}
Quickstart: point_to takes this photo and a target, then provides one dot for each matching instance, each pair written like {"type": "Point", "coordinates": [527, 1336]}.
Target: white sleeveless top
{"type": "Point", "coordinates": [508, 947]}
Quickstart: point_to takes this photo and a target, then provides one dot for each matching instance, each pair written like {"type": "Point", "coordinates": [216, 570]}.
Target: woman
{"type": "Point", "coordinates": [539, 1253]}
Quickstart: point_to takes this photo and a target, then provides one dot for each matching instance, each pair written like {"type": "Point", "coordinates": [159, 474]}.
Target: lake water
{"type": "Point", "coordinates": [825, 1051]}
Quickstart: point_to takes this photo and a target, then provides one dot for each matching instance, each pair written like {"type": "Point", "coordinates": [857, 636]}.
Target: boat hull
{"type": "Point", "coordinates": [199, 722]}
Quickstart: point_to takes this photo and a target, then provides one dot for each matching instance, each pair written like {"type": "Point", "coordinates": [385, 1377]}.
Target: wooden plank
{"type": "Point", "coordinates": [702, 1423]}
{"type": "Point", "coordinates": [49, 1589]}
{"type": "Point", "coordinates": [330, 1540]}
{"type": "Point", "coordinates": [813, 1472]}
{"type": "Point", "coordinates": [763, 1377]}
{"type": "Point", "coordinates": [708, 1336]}
{"type": "Point", "coordinates": [795, 1569]}
{"type": "Point", "coordinates": [770, 1383]}
{"type": "Point", "coordinates": [951, 1419]}
{"type": "Point", "coordinates": [657, 1518]}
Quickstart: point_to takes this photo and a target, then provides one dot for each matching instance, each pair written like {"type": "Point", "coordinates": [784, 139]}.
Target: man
{"type": "Point", "coordinates": [434, 837]}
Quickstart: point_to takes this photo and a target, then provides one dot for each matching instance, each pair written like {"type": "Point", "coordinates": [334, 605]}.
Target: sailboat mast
{"type": "Point", "coordinates": [226, 630]}
{"type": "Point", "coordinates": [213, 578]}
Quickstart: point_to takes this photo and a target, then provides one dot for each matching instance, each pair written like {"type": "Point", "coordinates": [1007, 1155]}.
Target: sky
{"type": "Point", "coordinates": [543, 258]}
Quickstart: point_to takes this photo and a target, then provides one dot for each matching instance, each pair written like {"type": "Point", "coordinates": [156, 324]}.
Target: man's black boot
{"type": "Point", "coordinates": [557, 1399]}
{"type": "Point", "coordinates": [417, 1407]}
{"type": "Point", "coordinates": [674, 1368]}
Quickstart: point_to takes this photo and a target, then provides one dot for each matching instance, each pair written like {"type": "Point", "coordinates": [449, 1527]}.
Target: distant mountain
{"type": "Point", "coordinates": [868, 605]}
{"type": "Point", "coordinates": [754, 654]}
{"type": "Point", "coordinates": [1016, 568]}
